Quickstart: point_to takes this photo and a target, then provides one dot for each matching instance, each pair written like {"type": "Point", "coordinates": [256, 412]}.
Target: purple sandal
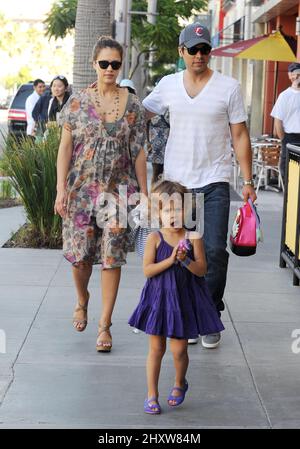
{"type": "Point", "coordinates": [150, 408]}
{"type": "Point", "coordinates": [178, 399]}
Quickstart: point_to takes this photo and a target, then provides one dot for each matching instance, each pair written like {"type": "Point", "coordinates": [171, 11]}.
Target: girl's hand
{"type": "Point", "coordinates": [173, 256]}
{"type": "Point", "coordinates": [60, 206]}
{"type": "Point", "coordinates": [181, 255]}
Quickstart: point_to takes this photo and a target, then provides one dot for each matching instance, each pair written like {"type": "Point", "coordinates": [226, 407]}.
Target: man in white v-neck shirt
{"type": "Point", "coordinates": [207, 118]}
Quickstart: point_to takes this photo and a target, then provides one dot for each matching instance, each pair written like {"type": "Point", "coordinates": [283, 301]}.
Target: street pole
{"type": "Point", "coordinates": [151, 11]}
{"type": "Point", "coordinates": [128, 37]}
{"type": "Point", "coordinates": [151, 18]}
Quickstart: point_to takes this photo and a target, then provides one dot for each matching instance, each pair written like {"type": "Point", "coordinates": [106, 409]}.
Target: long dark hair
{"type": "Point", "coordinates": [57, 107]}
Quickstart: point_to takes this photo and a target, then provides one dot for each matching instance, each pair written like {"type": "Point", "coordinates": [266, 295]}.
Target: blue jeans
{"type": "Point", "coordinates": [216, 216]}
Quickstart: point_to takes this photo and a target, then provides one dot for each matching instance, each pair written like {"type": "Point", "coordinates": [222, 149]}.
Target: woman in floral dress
{"type": "Point", "coordinates": [101, 150]}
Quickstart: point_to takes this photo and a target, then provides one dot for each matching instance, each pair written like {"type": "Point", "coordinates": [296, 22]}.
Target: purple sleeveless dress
{"type": "Point", "coordinates": [175, 303]}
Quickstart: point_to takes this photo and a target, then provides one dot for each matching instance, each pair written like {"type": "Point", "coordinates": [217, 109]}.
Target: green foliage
{"type": "Point", "coordinates": [31, 165]}
{"type": "Point", "coordinates": [163, 36]}
{"type": "Point", "coordinates": [25, 52]}
{"type": "Point", "coordinates": [6, 190]}
{"type": "Point", "coordinates": [61, 18]}
{"type": "Point", "coordinates": [23, 76]}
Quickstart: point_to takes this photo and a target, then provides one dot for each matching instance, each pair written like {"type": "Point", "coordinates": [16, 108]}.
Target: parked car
{"type": "Point", "coordinates": [17, 122]}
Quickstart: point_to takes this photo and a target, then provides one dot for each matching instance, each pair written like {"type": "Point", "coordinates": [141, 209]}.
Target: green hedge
{"type": "Point", "coordinates": [31, 165]}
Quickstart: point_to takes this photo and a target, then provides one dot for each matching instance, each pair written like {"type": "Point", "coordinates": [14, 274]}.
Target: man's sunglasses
{"type": "Point", "coordinates": [204, 50]}
{"type": "Point", "coordinates": [115, 65]}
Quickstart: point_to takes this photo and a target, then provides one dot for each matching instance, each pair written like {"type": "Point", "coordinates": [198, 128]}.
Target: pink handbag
{"type": "Point", "coordinates": [245, 232]}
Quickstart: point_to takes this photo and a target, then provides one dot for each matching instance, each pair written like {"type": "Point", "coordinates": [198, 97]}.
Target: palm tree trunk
{"type": "Point", "coordinates": [93, 18]}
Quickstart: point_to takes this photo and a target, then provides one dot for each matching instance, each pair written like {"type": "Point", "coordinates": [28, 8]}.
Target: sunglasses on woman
{"type": "Point", "coordinates": [204, 50]}
{"type": "Point", "coordinates": [115, 65]}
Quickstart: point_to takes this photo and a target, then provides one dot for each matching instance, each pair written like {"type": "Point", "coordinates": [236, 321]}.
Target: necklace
{"type": "Point", "coordinates": [106, 114]}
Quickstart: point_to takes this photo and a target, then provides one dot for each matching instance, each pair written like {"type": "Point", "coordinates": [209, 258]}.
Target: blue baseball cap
{"type": "Point", "coordinates": [194, 34]}
{"type": "Point", "coordinates": [294, 66]}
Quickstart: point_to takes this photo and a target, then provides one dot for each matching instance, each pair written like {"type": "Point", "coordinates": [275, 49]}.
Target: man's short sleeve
{"type": "Point", "coordinates": [236, 108]}
{"type": "Point", "coordinates": [156, 101]}
{"type": "Point", "coordinates": [277, 111]}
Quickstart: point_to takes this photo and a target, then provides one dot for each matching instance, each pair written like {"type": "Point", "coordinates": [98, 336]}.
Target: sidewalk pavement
{"type": "Point", "coordinates": [52, 377]}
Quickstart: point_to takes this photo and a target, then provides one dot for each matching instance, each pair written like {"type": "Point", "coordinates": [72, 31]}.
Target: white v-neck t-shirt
{"type": "Point", "coordinates": [198, 151]}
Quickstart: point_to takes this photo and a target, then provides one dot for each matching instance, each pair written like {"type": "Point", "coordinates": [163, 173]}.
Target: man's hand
{"type": "Point", "coordinates": [249, 192]}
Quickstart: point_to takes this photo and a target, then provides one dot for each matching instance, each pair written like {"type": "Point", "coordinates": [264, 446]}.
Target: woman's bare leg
{"type": "Point", "coordinates": [81, 275]}
{"type": "Point", "coordinates": [110, 280]}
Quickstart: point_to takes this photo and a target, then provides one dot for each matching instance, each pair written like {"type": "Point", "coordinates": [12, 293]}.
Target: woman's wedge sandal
{"type": "Point", "coordinates": [152, 409]}
{"type": "Point", "coordinates": [178, 399]}
{"type": "Point", "coordinates": [104, 345]}
{"type": "Point", "coordinates": [82, 323]}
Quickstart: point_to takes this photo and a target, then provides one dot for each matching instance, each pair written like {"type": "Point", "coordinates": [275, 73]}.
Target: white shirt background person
{"type": "Point", "coordinates": [39, 88]}
{"type": "Point", "coordinates": [286, 110]}
{"type": "Point", "coordinates": [286, 113]}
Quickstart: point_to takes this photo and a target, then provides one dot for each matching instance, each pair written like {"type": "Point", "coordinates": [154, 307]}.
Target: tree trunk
{"type": "Point", "coordinates": [93, 18]}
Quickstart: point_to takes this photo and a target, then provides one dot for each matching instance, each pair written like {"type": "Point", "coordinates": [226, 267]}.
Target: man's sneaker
{"type": "Point", "coordinates": [193, 341]}
{"type": "Point", "coordinates": [211, 341]}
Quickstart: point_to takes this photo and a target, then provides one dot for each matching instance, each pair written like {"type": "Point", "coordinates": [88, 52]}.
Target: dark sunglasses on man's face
{"type": "Point", "coordinates": [204, 50]}
{"type": "Point", "coordinates": [115, 65]}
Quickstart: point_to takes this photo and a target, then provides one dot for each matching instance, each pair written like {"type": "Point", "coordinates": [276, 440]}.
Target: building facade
{"type": "Point", "coordinates": [261, 81]}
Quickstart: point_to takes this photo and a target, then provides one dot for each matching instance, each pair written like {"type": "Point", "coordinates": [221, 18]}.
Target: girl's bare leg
{"type": "Point", "coordinates": [181, 363]}
{"type": "Point", "coordinates": [157, 349]}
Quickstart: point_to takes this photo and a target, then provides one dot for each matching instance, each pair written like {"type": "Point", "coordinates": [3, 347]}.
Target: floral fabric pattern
{"type": "Point", "coordinates": [159, 129]}
{"type": "Point", "coordinates": [102, 161]}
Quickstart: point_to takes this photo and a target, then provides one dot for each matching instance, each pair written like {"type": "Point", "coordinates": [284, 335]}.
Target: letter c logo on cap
{"type": "Point", "coordinates": [199, 31]}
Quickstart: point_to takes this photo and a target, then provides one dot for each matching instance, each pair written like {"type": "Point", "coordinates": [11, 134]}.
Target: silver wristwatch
{"type": "Point", "coordinates": [248, 183]}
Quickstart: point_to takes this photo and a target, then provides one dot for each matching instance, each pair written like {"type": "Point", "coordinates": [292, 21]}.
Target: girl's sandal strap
{"type": "Point", "coordinates": [154, 408]}
{"type": "Point", "coordinates": [182, 390]}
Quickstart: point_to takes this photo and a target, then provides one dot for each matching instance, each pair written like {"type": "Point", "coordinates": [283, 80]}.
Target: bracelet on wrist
{"type": "Point", "coordinates": [249, 183]}
{"type": "Point", "coordinates": [186, 261]}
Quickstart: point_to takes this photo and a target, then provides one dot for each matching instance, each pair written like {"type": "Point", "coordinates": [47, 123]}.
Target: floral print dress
{"type": "Point", "coordinates": [159, 129]}
{"type": "Point", "coordinates": [103, 160]}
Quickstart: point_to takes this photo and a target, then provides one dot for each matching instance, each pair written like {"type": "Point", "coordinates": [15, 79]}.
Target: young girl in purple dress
{"type": "Point", "coordinates": [175, 301]}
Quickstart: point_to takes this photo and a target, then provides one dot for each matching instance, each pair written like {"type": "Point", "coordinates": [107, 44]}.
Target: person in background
{"type": "Point", "coordinates": [129, 84]}
{"type": "Point", "coordinates": [60, 95]}
{"type": "Point", "coordinates": [50, 104]}
{"type": "Point", "coordinates": [158, 132]}
{"type": "Point", "coordinates": [38, 89]}
{"type": "Point", "coordinates": [286, 113]}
